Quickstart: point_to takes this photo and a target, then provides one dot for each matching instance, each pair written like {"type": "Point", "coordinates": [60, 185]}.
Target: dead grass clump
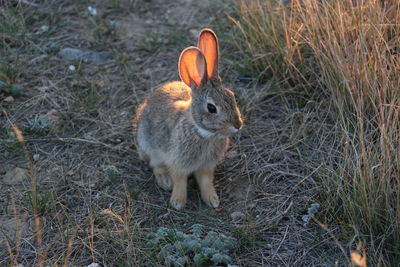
{"type": "Point", "coordinates": [350, 51]}
{"type": "Point", "coordinates": [273, 44]}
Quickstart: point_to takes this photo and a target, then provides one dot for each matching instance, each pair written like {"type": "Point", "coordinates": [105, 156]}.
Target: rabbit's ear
{"type": "Point", "coordinates": [192, 67]}
{"type": "Point", "coordinates": [208, 44]}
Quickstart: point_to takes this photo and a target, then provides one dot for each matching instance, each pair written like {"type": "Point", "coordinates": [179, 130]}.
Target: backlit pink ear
{"type": "Point", "coordinates": [208, 44]}
{"type": "Point", "coordinates": [192, 67]}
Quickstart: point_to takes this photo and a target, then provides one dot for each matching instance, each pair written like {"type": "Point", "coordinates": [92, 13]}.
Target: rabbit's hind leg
{"type": "Point", "coordinates": [162, 177]}
{"type": "Point", "coordinates": [205, 178]}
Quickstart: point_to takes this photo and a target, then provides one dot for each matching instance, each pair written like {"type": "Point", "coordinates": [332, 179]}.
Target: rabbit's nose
{"type": "Point", "coordinates": [237, 123]}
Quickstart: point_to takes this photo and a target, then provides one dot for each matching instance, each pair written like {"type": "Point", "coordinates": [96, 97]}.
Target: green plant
{"type": "Point", "coordinates": [246, 234]}
{"type": "Point", "coordinates": [38, 124]}
{"type": "Point", "coordinates": [14, 90]}
{"type": "Point", "coordinates": [111, 173]}
{"type": "Point", "coordinates": [12, 27]}
{"type": "Point", "coordinates": [7, 139]}
{"type": "Point", "coordinates": [46, 202]}
{"type": "Point", "coordinates": [178, 249]}
{"type": "Point", "coordinates": [9, 74]}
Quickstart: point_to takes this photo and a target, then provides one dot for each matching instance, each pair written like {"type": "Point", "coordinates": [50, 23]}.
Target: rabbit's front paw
{"type": "Point", "coordinates": [179, 191]}
{"type": "Point", "coordinates": [162, 177]}
{"type": "Point", "coordinates": [178, 199]}
{"type": "Point", "coordinates": [211, 198]}
{"type": "Point", "coordinates": [164, 182]}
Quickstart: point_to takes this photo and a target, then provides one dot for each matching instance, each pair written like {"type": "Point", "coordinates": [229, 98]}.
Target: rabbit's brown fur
{"type": "Point", "coordinates": [178, 132]}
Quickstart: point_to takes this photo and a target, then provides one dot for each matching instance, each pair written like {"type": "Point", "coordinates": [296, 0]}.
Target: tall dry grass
{"type": "Point", "coordinates": [348, 50]}
{"type": "Point", "coordinates": [34, 201]}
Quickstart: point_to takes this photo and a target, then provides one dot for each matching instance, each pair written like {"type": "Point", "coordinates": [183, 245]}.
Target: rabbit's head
{"type": "Point", "coordinates": [214, 109]}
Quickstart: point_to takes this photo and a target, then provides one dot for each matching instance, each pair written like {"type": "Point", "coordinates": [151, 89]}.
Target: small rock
{"type": "Point", "coordinates": [71, 68]}
{"type": "Point", "coordinates": [9, 99]}
{"type": "Point", "coordinates": [15, 176]}
{"type": "Point", "coordinates": [85, 55]}
{"type": "Point", "coordinates": [92, 10]}
{"type": "Point", "coordinates": [44, 28]}
{"type": "Point", "coordinates": [238, 216]}
{"type": "Point", "coordinates": [36, 157]}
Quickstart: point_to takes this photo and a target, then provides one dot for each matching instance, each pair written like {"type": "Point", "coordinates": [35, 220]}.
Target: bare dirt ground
{"type": "Point", "coordinates": [93, 191]}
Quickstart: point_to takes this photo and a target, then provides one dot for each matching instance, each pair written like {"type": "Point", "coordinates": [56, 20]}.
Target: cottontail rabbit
{"type": "Point", "coordinates": [183, 127]}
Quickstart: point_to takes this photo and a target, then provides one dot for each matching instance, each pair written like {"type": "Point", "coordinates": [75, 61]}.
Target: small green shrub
{"type": "Point", "coordinates": [38, 125]}
{"type": "Point", "coordinates": [9, 75]}
{"type": "Point", "coordinates": [14, 90]}
{"type": "Point", "coordinates": [12, 27]}
{"type": "Point", "coordinates": [111, 173]}
{"type": "Point", "coordinates": [176, 248]}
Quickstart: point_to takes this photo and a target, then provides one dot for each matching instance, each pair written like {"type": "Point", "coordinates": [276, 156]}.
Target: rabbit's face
{"type": "Point", "coordinates": [214, 108]}
{"type": "Point", "coordinates": [215, 112]}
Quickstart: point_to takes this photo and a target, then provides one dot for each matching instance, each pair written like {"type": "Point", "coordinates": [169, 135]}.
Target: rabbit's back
{"type": "Point", "coordinates": [169, 93]}
{"type": "Point", "coordinates": [159, 114]}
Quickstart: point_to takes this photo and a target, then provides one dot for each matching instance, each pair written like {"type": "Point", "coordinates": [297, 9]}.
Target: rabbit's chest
{"type": "Point", "coordinates": [199, 153]}
{"type": "Point", "coordinates": [190, 151]}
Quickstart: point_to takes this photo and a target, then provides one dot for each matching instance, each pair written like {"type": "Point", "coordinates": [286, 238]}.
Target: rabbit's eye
{"type": "Point", "coordinates": [211, 108]}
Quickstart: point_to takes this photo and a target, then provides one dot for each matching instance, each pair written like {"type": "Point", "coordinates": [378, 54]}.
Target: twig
{"type": "Point", "coordinates": [280, 244]}
{"type": "Point", "coordinates": [325, 227]}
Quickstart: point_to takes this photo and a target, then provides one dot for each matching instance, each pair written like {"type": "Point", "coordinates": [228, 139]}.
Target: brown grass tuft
{"type": "Point", "coordinates": [349, 51]}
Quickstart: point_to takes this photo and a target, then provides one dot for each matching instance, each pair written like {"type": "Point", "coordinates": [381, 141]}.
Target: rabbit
{"type": "Point", "coordinates": [183, 127]}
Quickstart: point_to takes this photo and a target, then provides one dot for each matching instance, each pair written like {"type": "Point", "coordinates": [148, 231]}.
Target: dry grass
{"type": "Point", "coordinates": [96, 201]}
{"type": "Point", "coordinates": [34, 203]}
{"type": "Point", "coordinates": [348, 51]}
